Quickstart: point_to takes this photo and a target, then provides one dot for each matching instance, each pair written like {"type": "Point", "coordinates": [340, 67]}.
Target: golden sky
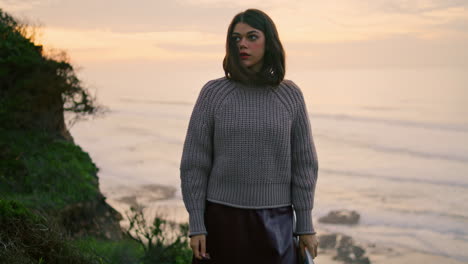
{"type": "Point", "coordinates": [332, 33]}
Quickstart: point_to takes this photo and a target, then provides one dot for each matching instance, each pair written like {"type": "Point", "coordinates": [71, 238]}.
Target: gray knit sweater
{"type": "Point", "coordinates": [249, 147]}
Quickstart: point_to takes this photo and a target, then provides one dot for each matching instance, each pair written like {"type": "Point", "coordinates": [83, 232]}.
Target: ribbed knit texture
{"type": "Point", "coordinates": [249, 147]}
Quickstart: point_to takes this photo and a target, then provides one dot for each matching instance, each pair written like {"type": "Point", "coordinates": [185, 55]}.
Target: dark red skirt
{"type": "Point", "coordinates": [244, 236]}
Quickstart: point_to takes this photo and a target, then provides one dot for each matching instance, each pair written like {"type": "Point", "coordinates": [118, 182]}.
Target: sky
{"type": "Point", "coordinates": [316, 34]}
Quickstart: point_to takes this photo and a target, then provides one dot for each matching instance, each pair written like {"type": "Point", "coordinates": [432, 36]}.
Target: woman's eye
{"type": "Point", "coordinates": [253, 37]}
{"type": "Point", "coordinates": [235, 38]}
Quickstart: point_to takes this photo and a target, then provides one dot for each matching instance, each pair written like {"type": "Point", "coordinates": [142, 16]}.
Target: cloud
{"type": "Point", "coordinates": [241, 5]}
{"type": "Point", "coordinates": [126, 16]}
{"type": "Point", "coordinates": [15, 5]}
{"type": "Point", "coordinates": [352, 20]}
{"type": "Point", "coordinates": [418, 7]}
{"type": "Point", "coordinates": [300, 20]}
{"type": "Point", "coordinates": [90, 45]}
{"type": "Point", "coordinates": [195, 29]}
{"type": "Point", "coordinates": [404, 50]}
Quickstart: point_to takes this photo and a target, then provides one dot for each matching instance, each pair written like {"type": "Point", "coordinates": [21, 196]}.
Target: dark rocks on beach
{"type": "Point", "coordinates": [346, 250]}
{"type": "Point", "coordinates": [341, 217]}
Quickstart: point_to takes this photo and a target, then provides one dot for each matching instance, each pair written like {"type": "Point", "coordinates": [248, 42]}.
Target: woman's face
{"type": "Point", "coordinates": [251, 44]}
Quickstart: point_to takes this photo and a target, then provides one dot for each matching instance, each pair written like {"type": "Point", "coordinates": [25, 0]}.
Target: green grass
{"type": "Point", "coordinates": [143, 244]}
{"type": "Point", "coordinates": [39, 174]}
{"type": "Point", "coordinates": [26, 237]}
{"type": "Point", "coordinates": [43, 171]}
{"type": "Point", "coordinates": [125, 251]}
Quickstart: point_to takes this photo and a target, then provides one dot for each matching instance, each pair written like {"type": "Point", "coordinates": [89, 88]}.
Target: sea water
{"type": "Point", "coordinates": [392, 144]}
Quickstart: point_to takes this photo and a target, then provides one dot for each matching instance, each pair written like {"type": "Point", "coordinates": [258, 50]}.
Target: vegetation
{"type": "Point", "coordinates": [143, 244]}
{"type": "Point", "coordinates": [29, 80]}
{"type": "Point", "coordinates": [28, 237]}
{"type": "Point", "coordinates": [31, 238]}
{"type": "Point", "coordinates": [45, 172]}
{"type": "Point", "coordinates": [156, 247]}
{"type": "Point", "coordinates": [41, 171]}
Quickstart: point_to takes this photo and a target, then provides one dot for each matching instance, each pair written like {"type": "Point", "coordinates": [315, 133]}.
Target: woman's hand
{"type": "Point", "coordinates": [198, 245]}
{"type": "Point", "coordinates": [310, 242]}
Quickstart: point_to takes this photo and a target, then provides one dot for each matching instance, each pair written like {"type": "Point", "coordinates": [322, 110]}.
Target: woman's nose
{"type": "Point", "coordinates": [242, 43]}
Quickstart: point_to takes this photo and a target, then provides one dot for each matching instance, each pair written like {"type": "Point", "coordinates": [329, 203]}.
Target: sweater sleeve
{"type": "Point", "coordinates": [196, 162]}
{"type": "Point", "coordinates": [304, 166]}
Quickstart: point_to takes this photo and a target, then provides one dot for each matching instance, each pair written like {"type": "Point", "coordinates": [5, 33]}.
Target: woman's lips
{"type": "Point", "coordinates": [244, 56]}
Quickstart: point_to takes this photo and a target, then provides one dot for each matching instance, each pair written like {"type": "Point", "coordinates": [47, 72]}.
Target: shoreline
{"type": "Point", "coordinates": [160, 200]}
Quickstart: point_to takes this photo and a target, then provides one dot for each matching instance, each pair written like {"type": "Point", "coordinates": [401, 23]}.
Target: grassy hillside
{"type": "Point", "coordinates": [44, 171]}
{"type": "Point", "coordinates": [51, 208]}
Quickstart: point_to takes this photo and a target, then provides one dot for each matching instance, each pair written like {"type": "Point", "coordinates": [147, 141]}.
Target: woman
{"type": "Point", "coordinates": [249, 161]}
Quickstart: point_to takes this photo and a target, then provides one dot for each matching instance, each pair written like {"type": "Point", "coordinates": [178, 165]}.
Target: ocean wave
{"type": "Point", "coordinates": [348, 173]}
{"type": "Point", "coordinates": [461, 128]}
{"type": "Point", "coordinates": [397, 150]}
{"type": "Point", "coordinates": [149, 101]}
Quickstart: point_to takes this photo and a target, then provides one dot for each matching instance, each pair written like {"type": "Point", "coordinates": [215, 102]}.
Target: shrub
{"type": "Point", "coordinates": [157, 248]}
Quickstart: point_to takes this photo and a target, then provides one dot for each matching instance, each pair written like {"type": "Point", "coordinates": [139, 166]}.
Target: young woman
{"type": "Point", "coordinates": [249, 161]}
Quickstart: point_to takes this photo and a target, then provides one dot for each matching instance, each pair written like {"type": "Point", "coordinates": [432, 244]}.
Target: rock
{"type": "Point", "coordinates": [346, 250]}
{"type": "Point", "coordinates": [358, 251]}
{"type": "Point", "coordinates": [340, 217]}
{"type": "Point", "coordinates": [327, 241]}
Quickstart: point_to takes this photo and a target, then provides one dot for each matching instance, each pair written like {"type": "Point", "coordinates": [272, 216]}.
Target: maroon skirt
{"type": "Point", "coordinates": [239, 235]}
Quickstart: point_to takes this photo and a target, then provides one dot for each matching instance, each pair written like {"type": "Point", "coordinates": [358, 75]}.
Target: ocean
{"type": "Point", "coordinates": [392, 144]}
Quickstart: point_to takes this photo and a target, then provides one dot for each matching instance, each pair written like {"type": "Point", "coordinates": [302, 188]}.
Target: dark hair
{"type": "Point", "coordinates": [273, 69]}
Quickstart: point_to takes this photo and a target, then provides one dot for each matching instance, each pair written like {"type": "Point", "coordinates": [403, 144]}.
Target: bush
{"type": "Point", "coordinates": [158, 249]}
